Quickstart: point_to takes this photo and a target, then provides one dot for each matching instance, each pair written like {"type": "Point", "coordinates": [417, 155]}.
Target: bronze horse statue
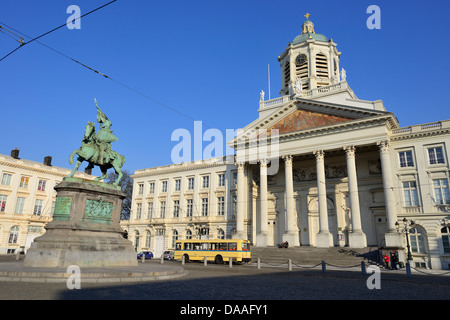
{"type": "Point", "coordinates": [97, 153]}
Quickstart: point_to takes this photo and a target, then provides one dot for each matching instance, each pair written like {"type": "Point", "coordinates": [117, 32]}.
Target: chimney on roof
{"type": "Point", "coordinates": [15, 153]}
{"type": "Point", "coordinates": [48, 161]}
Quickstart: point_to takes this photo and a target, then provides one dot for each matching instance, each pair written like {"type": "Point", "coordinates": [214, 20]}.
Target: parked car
{"type": "Point", "coordinates": [168, 255]}
{"type": "Point", "coordinates": [148, 254]}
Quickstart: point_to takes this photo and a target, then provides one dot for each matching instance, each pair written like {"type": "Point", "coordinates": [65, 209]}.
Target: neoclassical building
{"type": "Point", "coordinates": [27, 199]}
{"type": "Point", "coordinates": [319, 167]}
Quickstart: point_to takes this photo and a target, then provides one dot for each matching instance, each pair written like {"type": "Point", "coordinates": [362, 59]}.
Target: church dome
{"type": "Point", "coordinates": [309, 33]}
{"type": "Point", "coordinates": [305, 36]}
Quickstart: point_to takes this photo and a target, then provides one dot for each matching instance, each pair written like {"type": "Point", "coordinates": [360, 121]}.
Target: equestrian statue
{"type": "Point", "coordinates": [96, 149]}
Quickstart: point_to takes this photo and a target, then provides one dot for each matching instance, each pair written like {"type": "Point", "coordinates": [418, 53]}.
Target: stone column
{"type": "Point", "coordinates": [324, 238]}
{"type": "Point", "coordinates": [291, 234]}
{"type": "Point", "coordinates": [357, 238]}
{"type": "Point", "coordinates": [241, 203]}
{"type": "Point", "coordinates": [393, 239]}
{"type": "Point", "coordinates": [261, 238]}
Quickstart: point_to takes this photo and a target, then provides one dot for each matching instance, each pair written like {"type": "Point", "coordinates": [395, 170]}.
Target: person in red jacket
{"type": "Point", "coordinates": [386, 261]}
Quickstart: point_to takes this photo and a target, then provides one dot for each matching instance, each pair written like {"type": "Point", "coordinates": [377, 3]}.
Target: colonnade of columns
{"type": "Point", "coordinates": [357, 238]}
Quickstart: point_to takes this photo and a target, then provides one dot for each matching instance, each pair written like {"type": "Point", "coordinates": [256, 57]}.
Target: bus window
{"type": "Point", "coordinates": [245, 246]}
{"type": "Point", "coordinates": [222, 246]}
{"type": "Point", "coordinates": [178, 246]}
{"type": "Point", "coordinates": [188, 246]}
{"type": "Point", "coordinates": [213, 246]}
{"type": "Point", "coordinates": [232, 246]}
{"type": "Point", "coordinates": [197, 246]}
{"type": "Point", "coordinates": [204, 246]}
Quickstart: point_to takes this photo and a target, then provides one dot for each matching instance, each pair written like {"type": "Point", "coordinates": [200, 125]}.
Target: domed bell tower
{"type": "Point", "coordinates": [310, 61]}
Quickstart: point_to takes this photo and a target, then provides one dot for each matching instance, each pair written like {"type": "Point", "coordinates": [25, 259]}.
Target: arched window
{"type": "Point", "coordinates": [322, 70]}
{"type": "Point", "coordinates": [416, 239]}
{"type": "Point", "coordinates": [174, 237]}
{"type": "Point", "coordinates": [220, 234]}
{"type": "Point", "coordinates": [445, 231]}
{"type": "Point", "coordinates": [301, 69]}
{"type": "Point", "coordinates": [13, 234]}
{"type": "Point", "coordinates": [188, 234]}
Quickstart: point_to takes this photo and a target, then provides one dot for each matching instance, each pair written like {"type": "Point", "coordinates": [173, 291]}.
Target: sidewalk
{"type": "Point", "coordinates": [14, 271]}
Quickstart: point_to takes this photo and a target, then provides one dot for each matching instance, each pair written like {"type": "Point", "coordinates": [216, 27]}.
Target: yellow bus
{"type": "Point", "coordinates": [216, 250]}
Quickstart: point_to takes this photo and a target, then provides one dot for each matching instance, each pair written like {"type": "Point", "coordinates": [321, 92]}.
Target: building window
{"type": "Point", "coordinates": [177, 184]}
{"type": "Point", "coordinates": [13, 234]}
{"type": "Point", "coordinates": [19, 205]}
{"type": "Point", "coordinates": [3, 199]}
{"type": "Point", "coordinates": [6, 179]}
{"type": "Point", "coordinates": [148, 237]}
{"type": "Point", "coordinates": [41, 185]}
{"type": "Point", "coordinates": [24, 182]}
{"type": "Point", "coordinates": [140, 188]}
{"type": "Point", "coordinates": [149, 210]}
{"type": "Point", "coordinates": [322, 69]}
{"type": "Point", "coordinates": [191, 183]}
{"type": "Point", "coordinates": [234, 206]}
{"type": "Point", "coordinates": [189, 208]}
{"type": "Point", "coordinates": [151, 186]}
{"type": "Point", "coordinates": [221, 178]}
{"type": "Point", "coordinates": [38, 207]}
{"type": "Point", "coordinates": [287, 76]}
{"type": "Point", "coordinates": [410, 194]}
{"type": "Point", "coordinates": [220, 234]}
{"type": "Point", "coordinates": [234, 173]}
{"type": "Point", "coordinates": [406, 159]}
{"type": "Point", "coordinates": [174, 237]}
{"type": "Point", "coordinates": [176, 208]}
{"type": "Point", "coordinates": [205, 183]}
{"type": "Point", "coordinates": [435, 155]}
{"type": "Point", "coordinates": [164, 186]}
{"type": "Point", "coordinates": [163, 209]}
{"type": "Point", "coordinates": [445, 231]}
{"type": "Point", "coordinates": [138, 210]}
{"type": "Point", "coordinates": [221, 206]}
{"type": "Point", "coordinates": [204, 207]}
{"type": "Point", "coordinates": [416, 239]}
{"type": "Point", "coordinates": [188, 234]}
{"type": "Point", "coordinates": [441, 192]}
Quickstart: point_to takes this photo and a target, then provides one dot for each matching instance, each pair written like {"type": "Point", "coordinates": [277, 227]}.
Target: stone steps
{"type": "Point", "coordinates": [341, 256]}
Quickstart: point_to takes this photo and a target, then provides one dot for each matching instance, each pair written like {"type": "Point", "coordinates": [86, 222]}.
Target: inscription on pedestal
{"type": "Point", "coordinates": [98, 211]}
{"type": "Point", "coordinates": [62, 208]}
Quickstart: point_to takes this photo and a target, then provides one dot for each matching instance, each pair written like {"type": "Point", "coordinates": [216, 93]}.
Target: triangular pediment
{"type": "Point", "coordinates": [306, 119]}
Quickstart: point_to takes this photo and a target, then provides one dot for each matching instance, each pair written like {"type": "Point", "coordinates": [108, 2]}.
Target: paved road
{"type": "Point", "coordinates": [245, 282]}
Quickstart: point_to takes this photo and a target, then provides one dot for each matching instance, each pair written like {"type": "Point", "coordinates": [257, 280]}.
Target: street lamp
{"type": "Point", "coordinates": [405, 231]}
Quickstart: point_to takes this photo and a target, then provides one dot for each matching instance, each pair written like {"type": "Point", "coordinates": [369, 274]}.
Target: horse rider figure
{"type": "Point", "coordinates": [104, 137]}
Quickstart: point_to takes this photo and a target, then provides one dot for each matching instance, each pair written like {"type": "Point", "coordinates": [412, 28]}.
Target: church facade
{"type": "Point", "coordinates": [346, 173]}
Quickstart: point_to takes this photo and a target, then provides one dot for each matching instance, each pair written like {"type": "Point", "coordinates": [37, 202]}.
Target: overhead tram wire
{"type": "Point", "coordinates": [84, 65]}
{"type": "Point", "coordinates": [54, 29]}
{"type": "Point", "coordinates": [106, 76]}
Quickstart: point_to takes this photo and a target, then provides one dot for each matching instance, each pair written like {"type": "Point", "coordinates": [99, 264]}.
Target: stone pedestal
{"type": "Point", "coordinates": [85, 230]}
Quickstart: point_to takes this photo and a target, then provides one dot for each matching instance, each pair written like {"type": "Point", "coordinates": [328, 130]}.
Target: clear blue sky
{"type": "Point", "coordinates": [206, 59]}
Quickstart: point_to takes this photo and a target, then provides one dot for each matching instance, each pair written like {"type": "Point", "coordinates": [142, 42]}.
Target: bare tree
{"type": "Point", "coordinates": [126, 184]}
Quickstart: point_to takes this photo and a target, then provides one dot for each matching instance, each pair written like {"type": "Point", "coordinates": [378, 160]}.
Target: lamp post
{"type": "Point", "coordinates": [405, 230]}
